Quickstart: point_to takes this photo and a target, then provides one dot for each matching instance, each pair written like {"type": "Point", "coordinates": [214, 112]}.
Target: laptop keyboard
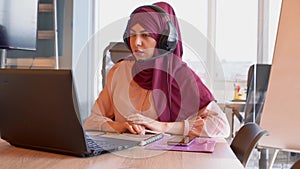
{"type": "Point", "coordinates": [98, 147]}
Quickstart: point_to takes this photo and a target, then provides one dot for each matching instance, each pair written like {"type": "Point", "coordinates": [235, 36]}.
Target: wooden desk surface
{"type": "Point", "coordinates": [14, 158]}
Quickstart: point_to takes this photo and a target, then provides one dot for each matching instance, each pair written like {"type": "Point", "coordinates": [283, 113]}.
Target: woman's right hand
{"type": "Point", "coordinates": [122, 127]}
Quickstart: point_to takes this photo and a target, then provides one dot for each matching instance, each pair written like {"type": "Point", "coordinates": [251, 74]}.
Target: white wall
{"type": "Point", "coordinates": [81, 55]}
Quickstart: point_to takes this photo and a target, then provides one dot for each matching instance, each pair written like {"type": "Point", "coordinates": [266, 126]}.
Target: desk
{"type": "Point", "coordinates": [14, 158]}
{"type": "Point", "coordinates": [235, 107]}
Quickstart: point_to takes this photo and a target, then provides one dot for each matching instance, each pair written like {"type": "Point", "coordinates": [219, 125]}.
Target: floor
{"type": "Point", "coordinates": [284, 160]}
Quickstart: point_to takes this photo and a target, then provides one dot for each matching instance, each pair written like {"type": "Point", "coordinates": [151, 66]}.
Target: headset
{"type": "Point", "coordinates": [168, 39]}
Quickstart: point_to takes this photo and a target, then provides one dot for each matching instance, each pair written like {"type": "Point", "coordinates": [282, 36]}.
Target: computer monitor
{"type": "Point", "coordinates": [18, 24]}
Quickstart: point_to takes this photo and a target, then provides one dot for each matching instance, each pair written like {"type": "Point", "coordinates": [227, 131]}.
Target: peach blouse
{"type": "Point", "coordinates": [122, 96]}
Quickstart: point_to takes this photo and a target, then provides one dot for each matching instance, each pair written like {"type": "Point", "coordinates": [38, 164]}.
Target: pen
{"type": "Point", "coordinates": [155, 132]}
{"type": "Point", "coordinates": [151, 131]}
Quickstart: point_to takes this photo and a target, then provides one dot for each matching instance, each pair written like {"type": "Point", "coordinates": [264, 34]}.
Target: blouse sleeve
{"type": "Point", "coordinates": [210, 121]}
{"type": "Point", "coordinates": [102, 110]}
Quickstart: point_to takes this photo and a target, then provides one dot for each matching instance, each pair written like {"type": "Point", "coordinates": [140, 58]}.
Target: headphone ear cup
{"type": "Point", "coordinates": [172, 37]}
{"type": "Point", "coordinates": [168, 39]}
{"type": "Point", "coordinates": [162, 43]}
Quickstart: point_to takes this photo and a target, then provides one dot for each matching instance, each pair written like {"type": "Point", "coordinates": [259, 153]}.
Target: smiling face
{"type": "Point", "coordinates": [141, 43]}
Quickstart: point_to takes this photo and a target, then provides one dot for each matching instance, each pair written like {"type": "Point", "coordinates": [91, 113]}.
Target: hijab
{"type": "Point", "coordinates": [177, 91]}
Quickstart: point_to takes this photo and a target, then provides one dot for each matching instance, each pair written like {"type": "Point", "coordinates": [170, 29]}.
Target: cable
{"type": "Point", "coordinates": [169, 88]}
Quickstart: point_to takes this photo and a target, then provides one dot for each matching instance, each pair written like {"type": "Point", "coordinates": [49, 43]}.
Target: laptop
{"type": "Point", "coordinates": [38, 110]}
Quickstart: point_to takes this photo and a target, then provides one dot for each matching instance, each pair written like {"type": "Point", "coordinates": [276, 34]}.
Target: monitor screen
{"type": "Point", "coordinates": [18, 24]}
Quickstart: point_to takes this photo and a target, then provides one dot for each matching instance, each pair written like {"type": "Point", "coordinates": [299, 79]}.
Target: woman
{"type": "Point", "coordinates": [154, 89]}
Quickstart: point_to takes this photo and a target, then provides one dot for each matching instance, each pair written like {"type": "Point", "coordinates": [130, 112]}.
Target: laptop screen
{"type": "Point", "coordinates": [38, 110]}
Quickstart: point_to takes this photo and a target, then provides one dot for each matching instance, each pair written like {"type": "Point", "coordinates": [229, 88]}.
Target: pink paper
{"type": "Point", "coordinates": [200, 144]}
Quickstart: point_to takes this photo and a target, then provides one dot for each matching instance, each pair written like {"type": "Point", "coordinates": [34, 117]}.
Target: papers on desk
{"type": "Point", "coordinates": [200, 144]}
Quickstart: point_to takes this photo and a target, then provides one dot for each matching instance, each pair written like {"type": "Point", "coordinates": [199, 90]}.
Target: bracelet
{"type": "Point", "coordinates": [186, 128]}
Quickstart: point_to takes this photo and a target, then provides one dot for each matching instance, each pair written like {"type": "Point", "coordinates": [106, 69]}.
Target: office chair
{"type": "Point", "coordinates": [255, 94]}
{"type": "Point", "coordinates": [246, 140]}
{"type": "Point", "coordinates": [296, 165]}
{"type": "Point", "coordinates": [111, 55]}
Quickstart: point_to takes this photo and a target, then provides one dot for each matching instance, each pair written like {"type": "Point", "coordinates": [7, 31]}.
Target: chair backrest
{"type": "Point", "coordinates": [256, 94]}
{"type": "Point", "coordinates": [296, 165]}
{"type": "Point", "coordinates": [111, 55]}
{"type": "Point", "coordinates": [246, 140]}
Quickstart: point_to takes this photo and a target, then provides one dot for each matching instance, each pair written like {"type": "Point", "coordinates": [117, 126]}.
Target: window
{"type": "Point", "coordinates": [243, 27]}
{"type": "Point", "coordinates": [236, 40]}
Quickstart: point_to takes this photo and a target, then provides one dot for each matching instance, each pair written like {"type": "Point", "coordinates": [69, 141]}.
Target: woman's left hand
{"type": "Point", "coordinates": [147, 122]}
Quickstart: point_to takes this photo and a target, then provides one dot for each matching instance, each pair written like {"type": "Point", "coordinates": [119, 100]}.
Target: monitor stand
{"type": "Point", "coordinates": [3, 58]}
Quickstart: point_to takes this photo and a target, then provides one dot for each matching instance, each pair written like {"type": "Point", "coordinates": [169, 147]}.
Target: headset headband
{"type": "Point", "coordinates": [168, 39]}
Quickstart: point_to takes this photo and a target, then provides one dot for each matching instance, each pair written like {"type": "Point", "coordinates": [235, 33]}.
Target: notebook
{"type": "Point", "coordinates": [143, 140]}
{"type": "Point", "coordinates": [39, 111]}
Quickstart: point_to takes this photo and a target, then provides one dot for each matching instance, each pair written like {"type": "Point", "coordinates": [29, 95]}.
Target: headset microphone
{"type": "Point", "coordinates": [154, 57]}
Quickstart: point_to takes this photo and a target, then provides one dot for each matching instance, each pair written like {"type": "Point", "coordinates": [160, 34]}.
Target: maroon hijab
{"type": "Point", "coordinates": [177, 91]}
